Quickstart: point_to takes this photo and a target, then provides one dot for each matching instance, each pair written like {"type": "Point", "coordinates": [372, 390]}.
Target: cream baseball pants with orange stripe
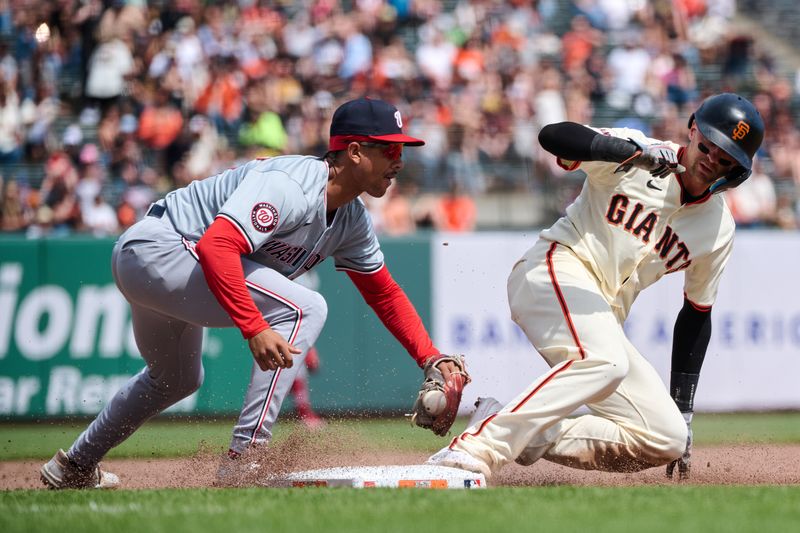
{"type": "Point", "coordinates": [634, 424]}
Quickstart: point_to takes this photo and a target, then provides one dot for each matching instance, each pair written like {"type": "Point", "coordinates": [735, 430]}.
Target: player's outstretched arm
{"type": "Point", "coordinates": [395, 310]}
{"type": "Point", "coordinates": [438, 400]}
{"type": "Point", "coordinates": [690, 341]}
{"type": "Point", "coordinates": [573, 142]}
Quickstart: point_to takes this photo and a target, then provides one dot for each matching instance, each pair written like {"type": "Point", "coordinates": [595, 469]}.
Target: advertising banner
{"type": "Point", "coordinates": [753, 359]}
{"type": "Point", "coordinates": [66, 342]}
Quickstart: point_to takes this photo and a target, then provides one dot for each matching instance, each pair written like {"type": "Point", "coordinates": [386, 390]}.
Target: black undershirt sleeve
{"type": "Point", "coordinates": [573, 142]}
{"type": "Point", "coordinates": [690, 341]}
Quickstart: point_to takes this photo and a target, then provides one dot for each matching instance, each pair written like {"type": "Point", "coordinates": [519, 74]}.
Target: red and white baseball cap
{"type": "Point", "coordinates": [368, 120]}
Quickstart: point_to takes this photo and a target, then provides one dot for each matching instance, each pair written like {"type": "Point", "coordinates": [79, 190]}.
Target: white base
{"type": "Point", "coordinates": [359, 477]}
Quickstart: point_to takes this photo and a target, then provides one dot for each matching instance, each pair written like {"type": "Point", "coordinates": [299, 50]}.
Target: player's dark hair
{"type": "Point", "coordinates": [331, 156]}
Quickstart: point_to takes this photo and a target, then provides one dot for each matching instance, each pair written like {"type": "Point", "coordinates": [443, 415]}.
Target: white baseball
{"type": "Point", "coordinates": [434, 402]}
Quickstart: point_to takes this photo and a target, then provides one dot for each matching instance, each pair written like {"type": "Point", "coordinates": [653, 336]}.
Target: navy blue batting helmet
{"type": "Point", "coordinates": [734, 124]}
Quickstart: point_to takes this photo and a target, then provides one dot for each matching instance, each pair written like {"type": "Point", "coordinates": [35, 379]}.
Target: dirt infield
{"type": "Point", "coordinates": [724, 465]}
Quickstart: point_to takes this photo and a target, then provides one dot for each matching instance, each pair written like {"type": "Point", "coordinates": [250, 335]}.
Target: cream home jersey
{"type": "Point", "coordinates": [632, 228]}
{"type": "Point", "coordinates": [279, 206]}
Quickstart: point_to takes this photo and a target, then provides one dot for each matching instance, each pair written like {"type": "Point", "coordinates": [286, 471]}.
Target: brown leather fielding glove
{"type": "Point", "coordinates": [436, 405]}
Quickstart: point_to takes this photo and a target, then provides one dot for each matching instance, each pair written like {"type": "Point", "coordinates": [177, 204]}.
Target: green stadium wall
{"type": "Point", "coordinates": [66, 344]}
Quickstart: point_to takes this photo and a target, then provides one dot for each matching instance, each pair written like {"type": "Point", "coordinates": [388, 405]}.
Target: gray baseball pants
{"type": "Point", "coordinates": [157, 271]}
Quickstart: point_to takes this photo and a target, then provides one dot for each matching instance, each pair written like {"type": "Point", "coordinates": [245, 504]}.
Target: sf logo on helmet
{"type": "Point", "coordinates": [741, 130]}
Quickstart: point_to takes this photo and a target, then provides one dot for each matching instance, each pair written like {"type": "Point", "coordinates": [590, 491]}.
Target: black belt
{"type": "Point", "coordinates": [156, 210]}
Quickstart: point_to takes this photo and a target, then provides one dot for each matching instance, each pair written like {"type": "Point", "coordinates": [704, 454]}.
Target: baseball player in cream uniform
{"type": "Point", "coordinates": [648, 208]}
{"type": "Point", "coordinates": [223, 252]}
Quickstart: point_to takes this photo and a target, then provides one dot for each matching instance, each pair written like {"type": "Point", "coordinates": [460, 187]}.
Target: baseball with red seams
{"type": "Point", "coordinates": [434, 402]}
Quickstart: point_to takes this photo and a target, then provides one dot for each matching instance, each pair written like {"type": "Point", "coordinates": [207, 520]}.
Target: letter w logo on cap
{"type": "Point", "coordinates": [741, 130]}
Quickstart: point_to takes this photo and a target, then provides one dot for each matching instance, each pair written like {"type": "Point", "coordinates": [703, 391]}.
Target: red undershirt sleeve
{"type": "Point", "coordinates": [220, 252]}
{"type": "Point", "coordinates": [396, 311]}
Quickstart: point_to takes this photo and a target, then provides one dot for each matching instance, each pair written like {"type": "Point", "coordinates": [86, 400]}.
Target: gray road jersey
{"type": "Point", "coordinates": [279, 206]}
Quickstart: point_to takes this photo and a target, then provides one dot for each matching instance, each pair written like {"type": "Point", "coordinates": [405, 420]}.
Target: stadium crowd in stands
{"type": "Point", "coordinates": [107, 105]}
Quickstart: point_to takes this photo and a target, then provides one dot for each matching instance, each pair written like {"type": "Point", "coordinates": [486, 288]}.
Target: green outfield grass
{"type": "Point", "coordinates": [175, 438]}
{"type": "Point", "coordinates": [562, 509]}
{"type": "Point", "coordinates": [670, 508]}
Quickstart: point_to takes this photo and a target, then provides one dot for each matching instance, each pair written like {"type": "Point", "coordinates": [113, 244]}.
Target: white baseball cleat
{"type": "Point", "coordinates": [486, 407]}
{"type": "Point", "coordinates": [459, 459]}
{"type": "Point", "coordinates": [237, 469]}
{"type": "Point", "coordinates": [61, 473]}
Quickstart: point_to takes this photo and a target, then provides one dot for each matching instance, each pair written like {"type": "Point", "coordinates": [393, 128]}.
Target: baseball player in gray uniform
{"type": "Point", "coordinates": [647, 209]}
{"type": "Point", "coordinates": [222, 252]}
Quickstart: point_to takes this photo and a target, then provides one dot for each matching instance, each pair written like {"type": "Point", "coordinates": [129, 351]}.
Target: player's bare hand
{"type": "Point", "coordinates": [448, 367]}
{"type": "Point", "coordinates": [684, 463]}
{"type": "Point", "coordinates": [658, 159]}
{"type": "Point", "coordinates": [271, 351]}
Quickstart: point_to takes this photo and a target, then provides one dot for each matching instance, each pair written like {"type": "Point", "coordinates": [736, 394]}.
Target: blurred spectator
{"type": "Point", "coordinates": [579, 43]}
{"type": "Point", "coordinates": [357, 51]}
{"type": "Point", "coordinates": [8, 65]}
{"type": "Point", "coordinates": [38, 115]}
{"type": "Point", "coordinates": [100, 218]}
{"type": "Point", "coordinates": [59, 203]}
{"type": "Point", "coordinates": [265, 131]}
{"type": "Point", "coordinates": [469, 61]}
{"type": "Point", "coordinates": [549, 105]}
{"type": "Point", "coordinates": [71, 141]}
{"type": "Point", "coordinates": [283, 89]}
{"type": "Point", "coordinates": [496, 155]}
{"type": "Point", "coordinates": [428, 124]}
{"type": "Point", "coordinates": [463, 166]}
{"type": "Point", "coordinates": [393, 64]}
{"type": "Point", "coordinates": [738, 56]}
{"type": "Point", "coordinates": [91, 176]}
{"type": "Point", "coordinates": [146, 96]}
{"type": "Point", "coordinates": [122, 20]}
{"type": "Point", "coordinates": [160, 122]}
{"type": "Point", "coordinates": [680, 82]}
{"type": "Point", "coordinates": [203, 157]}
{"type": "Point", "coordinates": [126, 215]}
{"type": "Point", "coordinates": [786, 216]}
{"type": "Point", "coordinates": [629, 66]}
{"type": "Point", "coordinates": [435, 57]}
{"type": "Point", "coordinates": [140, 186]}
{"type": "Point", "coordinates": [754, 203]}
{"type": "Point", "coordinates": [457, 211]}
{"type": "Point", "coordinates": [109, 128]}
{"type": "Point", "coordinates": [110, 65]}
{"type": "Point", "coordinates": [25, 49]}
{"type": "Point", "coordinates": [11, 130]}
{"type": "Point", "coordinates": [15, 214]}
{"type": "Point", "coordinates": [396, 214]}
{"type": "Point", "coordinates": [86, 19]}
{"type": "Point", "coordinates": [221, 99]}
{"type": "Point", "coordinates": [616, 14]}
{"type": "Point", "coordinates": [189, 58]}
